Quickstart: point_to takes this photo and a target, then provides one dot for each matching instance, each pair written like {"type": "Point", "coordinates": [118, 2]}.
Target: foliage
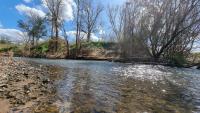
{"type": "Point", "coordinates": [5, 49]}
{"type": "Point", "coordinates": [61, 44]}
{"type": "Point", "coordinates": [17, 49]}
{"type": "Point", "coordinates": [178, 59]}
{"type": "Point", "coordinates": [35, 27]}
{"type": "Point", "coordinates": [41, 48]}
{"type": "Point", "coordinates": [6, 46]}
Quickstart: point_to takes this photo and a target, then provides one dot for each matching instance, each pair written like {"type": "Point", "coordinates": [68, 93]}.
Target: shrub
{"type": "Point", "coordinates": [42, 48]}
{"type": "Point", "coordinates": [178, 59]}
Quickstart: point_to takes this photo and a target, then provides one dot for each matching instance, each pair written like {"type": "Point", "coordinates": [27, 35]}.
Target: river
{"type": "Point", "coordinates": [107, 87]}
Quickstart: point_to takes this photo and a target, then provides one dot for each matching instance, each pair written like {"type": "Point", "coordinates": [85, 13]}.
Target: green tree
{"type": "Point", "coordinates": [34, 27]}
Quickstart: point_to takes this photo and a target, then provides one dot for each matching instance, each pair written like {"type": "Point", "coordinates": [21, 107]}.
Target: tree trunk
{"type": "Point", "coordinates": [88, 36]}
{"type": "Point", "coordinates": [77, 28]}
{"type": "Point", "coordinates": [68, 51]}
{"type": "Point", "coordinates": [57, 36]}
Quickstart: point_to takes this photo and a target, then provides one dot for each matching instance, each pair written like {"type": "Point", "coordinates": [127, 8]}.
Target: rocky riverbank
{"type": "Point", "coordinates": [27, 88]}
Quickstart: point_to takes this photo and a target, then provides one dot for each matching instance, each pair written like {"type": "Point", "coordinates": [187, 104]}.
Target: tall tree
{"type": "Point", "coordinates": [54, 7]}
{"type": "Point", "coordinates": [86, 19]}
{"type": "Point", "coordinates": [78, 22]}
{"type": "Point", "coordinates": [91, 12]}
{"type": "Point", "coordinates": [126, 25]}
{"type": "Point", "coordinates": [66, 38]}
{"type": "Point", "coordinates": [34, 27]}
{"type": "Point", "coordinates": [172, 24]}
{"type": "Point", "coordinates": [162, 28]}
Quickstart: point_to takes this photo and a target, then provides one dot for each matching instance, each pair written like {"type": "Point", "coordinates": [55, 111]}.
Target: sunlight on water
{"type": "Point", "coordinates": [90, 86]}
{"type": "Point", "coordinates": [143, 72]}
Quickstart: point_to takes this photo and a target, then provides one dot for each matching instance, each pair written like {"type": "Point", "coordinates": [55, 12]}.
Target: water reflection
{"type": "Point", "coordinates": [103, 87]}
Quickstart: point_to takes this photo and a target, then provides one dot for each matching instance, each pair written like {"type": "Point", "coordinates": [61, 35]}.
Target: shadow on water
{"type": "Point", "coordinates": [104, 87]}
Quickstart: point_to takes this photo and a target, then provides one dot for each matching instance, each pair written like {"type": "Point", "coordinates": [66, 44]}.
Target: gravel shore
{"type": "Point", "coordinates": [27, 88]}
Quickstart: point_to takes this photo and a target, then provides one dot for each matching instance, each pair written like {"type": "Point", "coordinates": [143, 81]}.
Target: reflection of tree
{"type": "Point", "coordinates": [82, 98]}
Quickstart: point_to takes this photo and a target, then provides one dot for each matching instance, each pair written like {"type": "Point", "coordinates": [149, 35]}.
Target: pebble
{"type": "Point", "coordinates": [14, 84]}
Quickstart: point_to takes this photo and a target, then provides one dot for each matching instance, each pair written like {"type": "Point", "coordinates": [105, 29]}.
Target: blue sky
{"type": "Point", "coordinates": [9, 14]}
{"type": "Point", "coordinates": [13, 10]}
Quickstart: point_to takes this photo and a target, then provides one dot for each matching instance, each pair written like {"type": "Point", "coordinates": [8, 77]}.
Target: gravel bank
{"type": "Point", "coordinates": [27, 88]}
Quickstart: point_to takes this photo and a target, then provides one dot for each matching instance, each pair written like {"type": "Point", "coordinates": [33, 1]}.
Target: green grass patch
{"type": "Point", "coordinates": [42, 48]}
{"type": "Point", "coordinates": [7, 47]}
{"type": "Point", "coordinates": [3, 46]}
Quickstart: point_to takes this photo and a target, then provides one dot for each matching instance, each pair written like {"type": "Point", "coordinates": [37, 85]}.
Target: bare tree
{"type": "Point", "coordinates": [116, 19]}
{"type": "Point", "coordinates": [91, 14]}
{"type": "Point", "coordinates": [86, 20]}
{"type": "Point", "coordinates": [126, 25]}
{"type": "Point", "coordinates": [78, 22]}
{"type": "Point", "coordinates": [54, 7]}
{"type": "Point", "coordinates": [160, 28]}
{"type": "Point", "coordinates": [66, 38]}
{"type": "Point", "coordinates": [172, 25]}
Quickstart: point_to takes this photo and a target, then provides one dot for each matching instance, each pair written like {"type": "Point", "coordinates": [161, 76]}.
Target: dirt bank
{"type": "Point", "coordinates": [27, 88]}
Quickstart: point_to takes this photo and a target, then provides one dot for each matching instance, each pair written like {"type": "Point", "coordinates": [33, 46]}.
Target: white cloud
{"type": "Point", "coordinates": [72, 35]}
{"type": "Point", "coordinates": [66, 8]}
{"type": "Point", "coordinates": [30, 11]}
{"type": "Point", "coordinates": [101, 30]}
{"type": "Point", "coordinates": [13, 35]}
{"type": "Point", "coordinates": [28, 1]}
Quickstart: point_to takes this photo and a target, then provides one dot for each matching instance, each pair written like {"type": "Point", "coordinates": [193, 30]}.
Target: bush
{"type": "Point", "coordinates": [42, 48]}
{"type": "Point", "coordinates": [5, 49]}
{"type": "Point", "coordinates": [178, 59]}
{"type": "Point", "coordinates": [61, 43]}
{"type": "Point", "coordinates": [16, 49]}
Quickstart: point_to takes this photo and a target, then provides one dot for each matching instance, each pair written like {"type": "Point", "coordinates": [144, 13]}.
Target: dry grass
{"type": "Point", "coordinates": [2, 46]}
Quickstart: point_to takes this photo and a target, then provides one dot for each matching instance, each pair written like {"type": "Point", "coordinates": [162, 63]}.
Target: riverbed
{"type": "Point", "coordinates": [108, 87]}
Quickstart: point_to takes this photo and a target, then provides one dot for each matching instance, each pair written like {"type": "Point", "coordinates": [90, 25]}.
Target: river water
{"type": "Point", "coordinates": [107, 87]}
